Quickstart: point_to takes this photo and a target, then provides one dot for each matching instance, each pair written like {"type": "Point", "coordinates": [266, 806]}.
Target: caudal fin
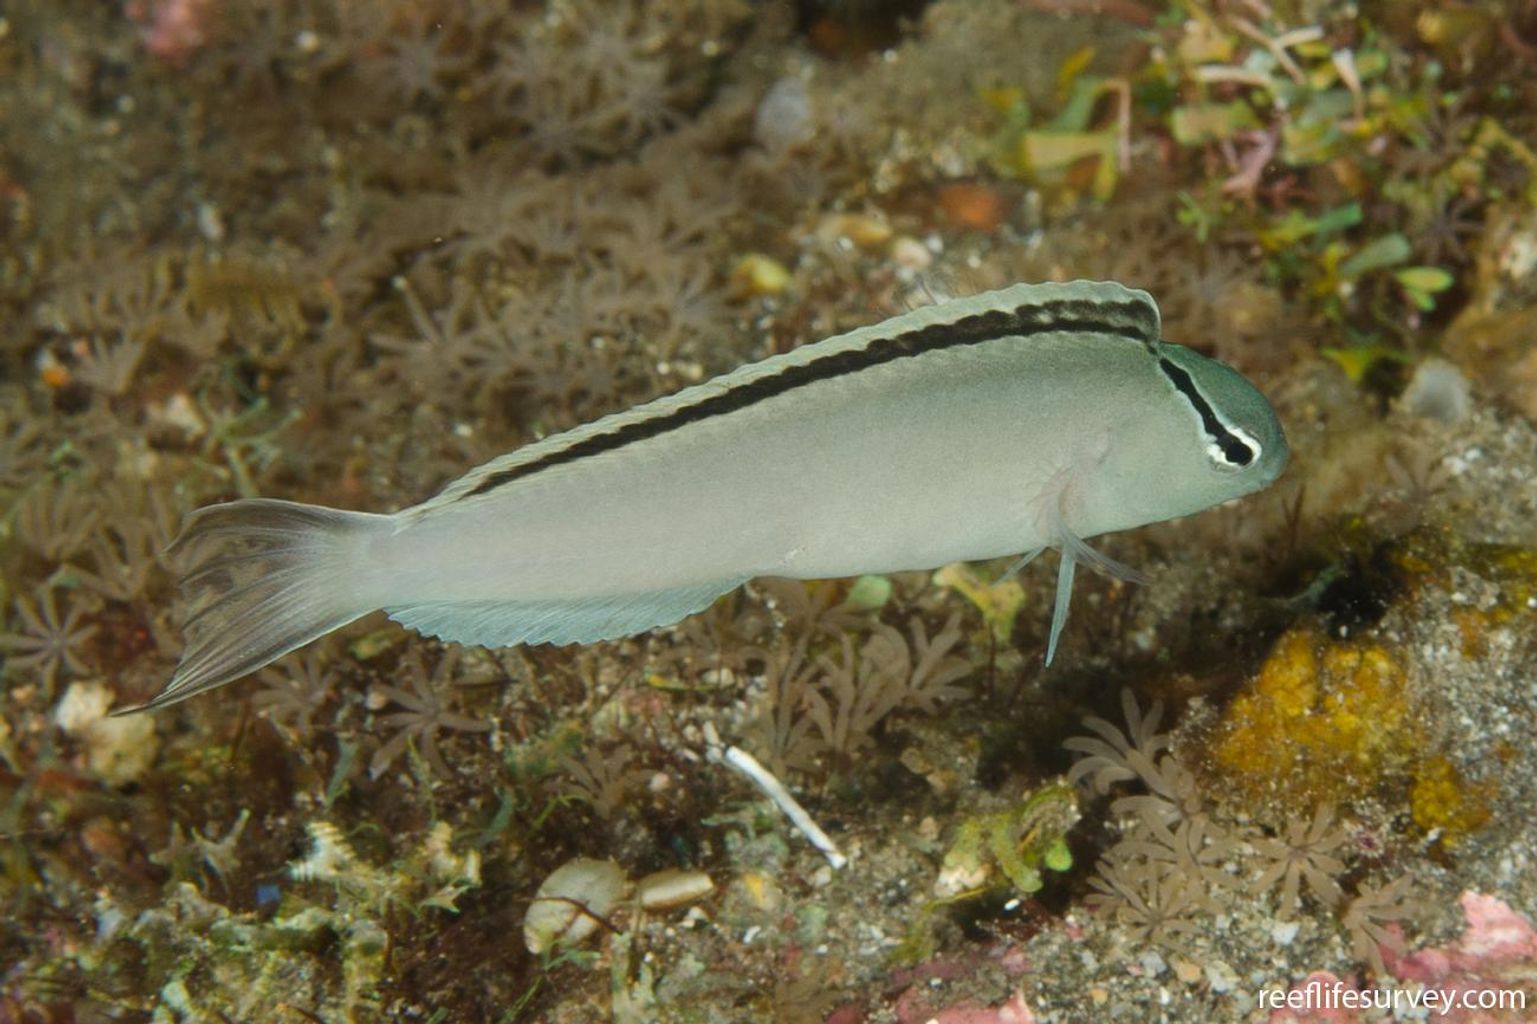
{"type": "Point", "coordinates": [260, 578]}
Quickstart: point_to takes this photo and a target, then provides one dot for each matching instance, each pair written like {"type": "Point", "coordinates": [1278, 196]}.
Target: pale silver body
{"type": "Point", "coordinates": [1008, 422]}
{"type": "Point", "coordinates": [952, 456]}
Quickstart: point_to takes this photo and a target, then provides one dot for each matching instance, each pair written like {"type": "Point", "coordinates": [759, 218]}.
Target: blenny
{"type": "Point", "coordinates": [1007, 422]}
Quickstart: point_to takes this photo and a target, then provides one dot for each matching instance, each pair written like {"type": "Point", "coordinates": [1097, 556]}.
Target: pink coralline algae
{"type": "Point", "coordinates": [1012, 1011]}
{"type": "Point", "coordinates": [171, 29]}
{"type": "Point", "coordinates": [1485, 976]}
{"type": "Point", "coordinates": [1495, 955]}
{"type": "Point", "coordinates": [916, 999]}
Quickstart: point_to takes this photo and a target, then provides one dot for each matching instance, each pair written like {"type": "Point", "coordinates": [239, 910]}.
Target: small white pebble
{"type": "Point", "coordinates": [1437, 391]}
{"type": "Point", "coordinates": [117, 750]}
{"type": "Point", "coordinates": [721, 677]}
{"type": "Point", "coordinates": [1518, 256]}
{"type": "Point", "coordinates": [210, 223]}
{"type": "Point", "coordinates": [109, 919]}
{"type": "Point", "coordinates": [911, 253]}
{"type": "Point", "coordinates": [179, 413]}
{"type": "Point", "coordinates": [82, 706]}
{"type": "Point", "coordinates": [1457, 465]}
{"type": "Point", "coordinates": [1221, 976]}
{"type": "Point", "coordinates": [174, 994]}
{"type": "Point", "coordinates": [783, 119]}
{"type": "Point", "coordinates": [1283, 932]}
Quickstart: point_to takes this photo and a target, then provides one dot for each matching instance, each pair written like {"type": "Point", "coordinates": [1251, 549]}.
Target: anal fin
{"type": "Point", "coordinates": [578, 621]}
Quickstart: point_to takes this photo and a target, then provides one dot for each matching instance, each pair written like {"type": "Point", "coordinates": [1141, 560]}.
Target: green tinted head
{"type": "Point", "coordinates": [1241, 435]}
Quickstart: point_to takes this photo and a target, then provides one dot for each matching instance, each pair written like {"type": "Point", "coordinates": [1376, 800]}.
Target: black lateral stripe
{"type": "Point", "coordinates": [1233, 448]}
{"type": "Point", "coordinates": [1133, 320]}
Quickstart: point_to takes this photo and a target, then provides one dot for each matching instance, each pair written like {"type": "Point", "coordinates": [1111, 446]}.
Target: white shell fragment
{"type": "Point", "coordinates": [1438, 391]}
{"type": "Point", "coordinates": [672, 888]}
{"type": "Point", "coordinates": [117, 750]}
{"type": "Point", "coordinates": [570, 904]}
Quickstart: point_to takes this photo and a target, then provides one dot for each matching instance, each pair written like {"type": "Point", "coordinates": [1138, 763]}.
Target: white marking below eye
{"type": "Point", "coordinates": [1219, 457]}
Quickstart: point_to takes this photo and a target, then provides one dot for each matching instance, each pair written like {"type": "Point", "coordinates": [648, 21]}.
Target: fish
{"type": "Point", "coordinates": [1013, 421]}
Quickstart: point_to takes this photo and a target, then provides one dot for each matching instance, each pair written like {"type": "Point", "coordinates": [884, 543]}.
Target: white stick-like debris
{"type": "Point", "coordinates": [775, 790]}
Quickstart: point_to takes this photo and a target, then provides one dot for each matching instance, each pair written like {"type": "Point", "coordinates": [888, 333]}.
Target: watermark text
{"type": "Point", "coordinates": [1319, 994]}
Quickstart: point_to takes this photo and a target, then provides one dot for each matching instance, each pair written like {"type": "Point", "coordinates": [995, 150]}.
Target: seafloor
{"type": "Point", "coordinates": [340, 251]}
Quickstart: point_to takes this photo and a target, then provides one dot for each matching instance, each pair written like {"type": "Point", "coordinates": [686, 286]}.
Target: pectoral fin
{"type": "Point", "coordinates": [1074, 551]}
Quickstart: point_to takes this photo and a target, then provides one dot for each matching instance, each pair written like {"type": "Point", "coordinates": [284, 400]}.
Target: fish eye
{"type": "Point", "coordinates": [1234, 450]}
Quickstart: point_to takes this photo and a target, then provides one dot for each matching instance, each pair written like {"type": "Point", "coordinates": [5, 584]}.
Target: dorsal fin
{"type": "Point", "coordinates": [1023, 310]}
